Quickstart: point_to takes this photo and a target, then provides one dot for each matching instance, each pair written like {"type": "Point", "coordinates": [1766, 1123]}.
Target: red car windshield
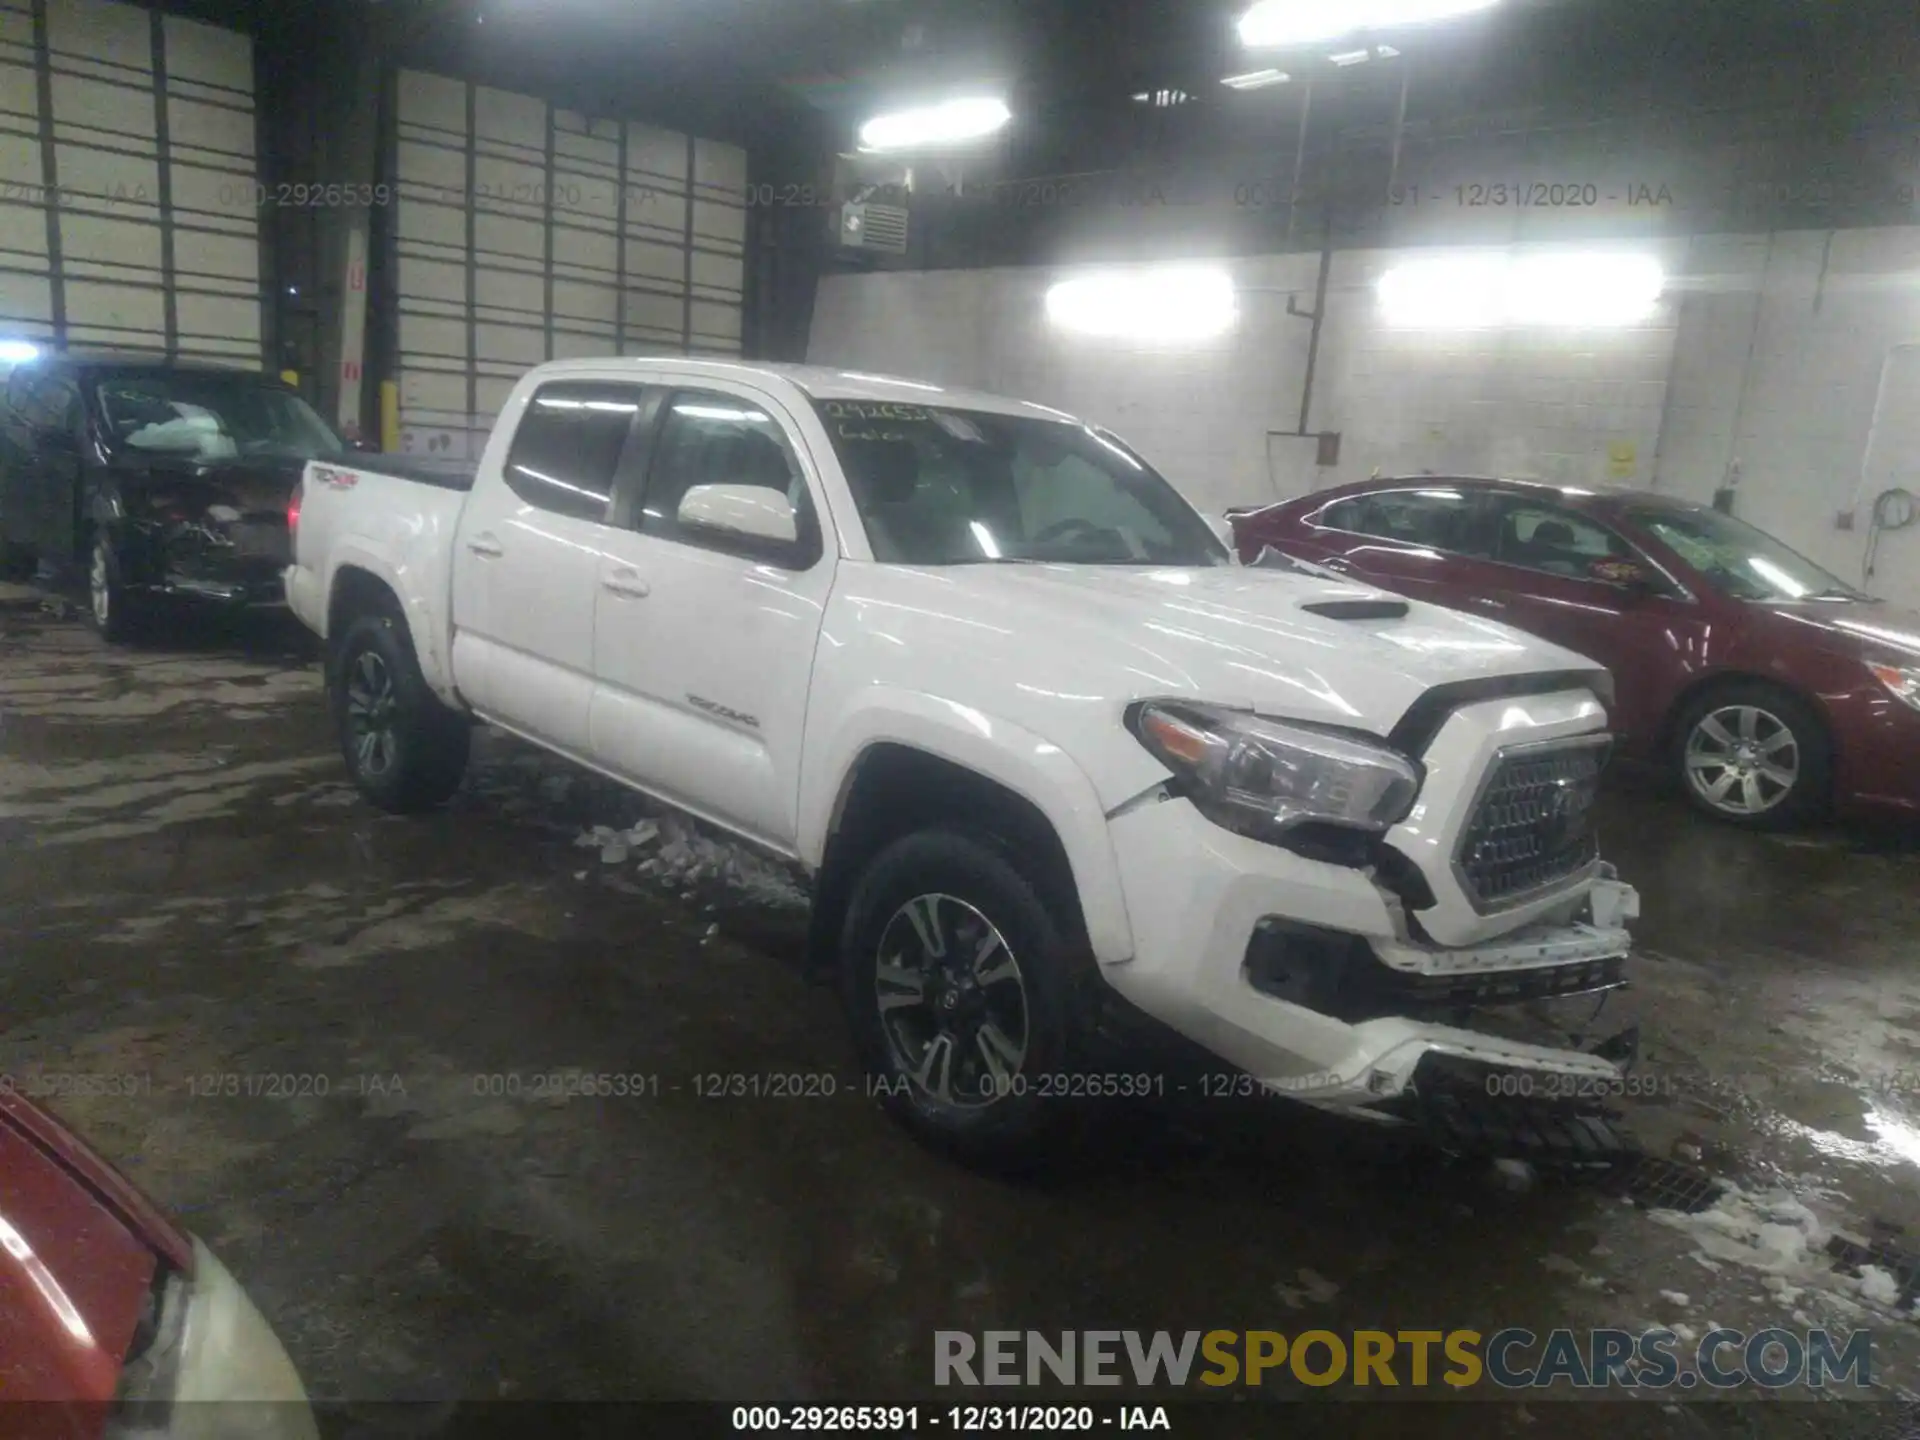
{"type": "Point", "coordinates": [1738, 560]}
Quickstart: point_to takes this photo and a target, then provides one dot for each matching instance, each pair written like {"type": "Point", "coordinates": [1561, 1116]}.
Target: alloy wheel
{"type": "Point", "coordinates": [372, 709]}
{"type": "Point", "coordinates": [100, 586]}
{"type": "Point", "coordinates": [1742, 760]}
{"type": "Point", "coordinates": [952, 1001]}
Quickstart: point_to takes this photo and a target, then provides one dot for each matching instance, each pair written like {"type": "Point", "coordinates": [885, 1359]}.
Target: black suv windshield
{"type": "Point", "coordinates": [1737, 559]}
{"type": "Point", "coordinates": [938, 486]}
{"type": "Point", "coordinates": [207, 415]}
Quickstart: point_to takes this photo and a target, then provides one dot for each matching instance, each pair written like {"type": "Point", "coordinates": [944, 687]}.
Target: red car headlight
{"type": "Point", "coordinates": [1903, 681]}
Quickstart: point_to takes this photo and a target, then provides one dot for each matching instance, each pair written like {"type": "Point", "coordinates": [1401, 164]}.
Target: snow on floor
{"type": "Point", "coordinates": [679, 853]}
{"type": "Point", "coordinates": [1776, 1234]}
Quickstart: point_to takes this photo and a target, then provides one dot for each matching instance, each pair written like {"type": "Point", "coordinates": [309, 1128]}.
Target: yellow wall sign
{"type": "Point", "coordinates": [1623, 459]}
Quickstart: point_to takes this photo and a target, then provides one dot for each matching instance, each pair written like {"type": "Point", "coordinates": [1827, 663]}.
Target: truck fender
{"type": "Point", "coordinates": [998, 750]}
{"type": "Point", "coordinates": [104, 511]}
{"type": "Point", "coordinates": [353, 552]}
{"type": "Point", "coordinates": [101, 502]}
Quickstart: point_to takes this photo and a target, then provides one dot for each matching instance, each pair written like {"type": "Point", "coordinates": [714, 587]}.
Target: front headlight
{"type": "Point", "coordinates": [1903, 681]}
{"type": "Point", "coordinates": [1263, 777]}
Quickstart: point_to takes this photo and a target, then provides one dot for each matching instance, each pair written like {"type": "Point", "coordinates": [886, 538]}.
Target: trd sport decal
{"type": "Point", "coordinates": [739, 717]}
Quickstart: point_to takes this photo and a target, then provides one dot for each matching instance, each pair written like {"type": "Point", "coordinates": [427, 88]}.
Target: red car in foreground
{"type": "Point", "coordinates": [1773, 689]}
{"type": "Point", "coordinates": [114, 1322]}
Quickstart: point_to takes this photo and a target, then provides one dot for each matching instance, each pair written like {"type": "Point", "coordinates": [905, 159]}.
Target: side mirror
{"type": "Point", "coordinates": [1222, 528]}
{"type": "Point", "coordinates": [751, 511]}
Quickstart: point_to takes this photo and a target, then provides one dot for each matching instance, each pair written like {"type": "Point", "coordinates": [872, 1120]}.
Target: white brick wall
{"type": "Point", "coordinates": [1828, 316]}
{"type": "Point", "coordinates": [1672, 403]}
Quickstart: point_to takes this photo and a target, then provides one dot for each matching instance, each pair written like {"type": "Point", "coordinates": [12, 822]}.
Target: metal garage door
{"type": "Point", "coordinates": [522, 232]}
{"type": "Point", "coordinates": [128, 214]}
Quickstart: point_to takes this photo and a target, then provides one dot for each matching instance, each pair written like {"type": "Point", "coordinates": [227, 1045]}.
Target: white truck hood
{"type": "Point", "coordinates": [1231, 635]}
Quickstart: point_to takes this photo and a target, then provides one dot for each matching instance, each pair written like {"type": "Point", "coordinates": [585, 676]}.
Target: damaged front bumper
{"type": "Point", "coordinates": [1309, 976]}
{"type": "Point", "coordinates": [237, 564]}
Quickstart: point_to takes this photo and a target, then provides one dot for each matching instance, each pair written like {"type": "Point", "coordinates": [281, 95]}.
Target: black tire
{"type": "Point", "coordinates": [1788, 738]}
{"type": "Point", "coordinates": [1015, 1120]}
{"type": "Point", "coordinates": [405, 750]}
{"type": "Point", "coordinates": [108, 608]}
{"type": "Point", "coordinates": [16, 559]}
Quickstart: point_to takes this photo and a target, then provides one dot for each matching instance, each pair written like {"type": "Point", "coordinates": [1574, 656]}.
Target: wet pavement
{"type": "Point", "coordinates": [356, 1047]}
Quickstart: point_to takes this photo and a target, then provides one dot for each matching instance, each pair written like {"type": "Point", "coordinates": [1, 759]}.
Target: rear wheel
{"type": "Point", "coordinates": [961, 988]}
{"type": "Point", "coordinates": [405, 750]}
{"type": "Point", "coordinates": [1752, 754]}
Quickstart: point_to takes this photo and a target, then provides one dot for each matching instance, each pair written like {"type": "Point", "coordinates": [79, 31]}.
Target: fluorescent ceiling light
{"type": "Point", "coordinates": [951, 122]}
{"type": "Point", "coordinates": [1161, 302]}
{"type": "Point", "coordinates": [1311, 22]}
{"type": "Point", "coordinates": [1582, 290]}
{"type": "Point", "coordinates": [1344, 58]}
{"type": "Point", "coordinates": [18, 352]}
{"type": "Point", "coordinates": [1255, 79]}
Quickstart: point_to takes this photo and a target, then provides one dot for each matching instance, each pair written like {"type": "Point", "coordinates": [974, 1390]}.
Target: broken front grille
{"type": "Point", "coordinates": [1532, 827]}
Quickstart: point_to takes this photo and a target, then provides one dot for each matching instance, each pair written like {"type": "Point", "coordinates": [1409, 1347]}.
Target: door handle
{"type": "Point", "coordinates": [485, 545]}
{"type": "Point", "coordinates": [627, 585]}
{"type": "Point", "coordinates": [1486, 602]}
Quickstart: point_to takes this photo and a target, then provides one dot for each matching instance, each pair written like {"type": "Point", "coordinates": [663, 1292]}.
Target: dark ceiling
{"type": "Point", "coordinates": [753, 69]}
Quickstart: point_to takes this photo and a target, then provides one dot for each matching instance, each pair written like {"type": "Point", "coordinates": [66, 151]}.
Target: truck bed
{"type": "Point", "coordinates": [446, 473]}
{"type": "Point", "coordinates": [394, 517]}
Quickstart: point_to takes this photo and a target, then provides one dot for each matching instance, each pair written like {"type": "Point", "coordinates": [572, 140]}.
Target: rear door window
{"type": "Point", "coordinates": [1554, 541]}
{"type": "Point", "coordinates": [44, 399]}
{"type": "Point", "coordinates": [568, 447]}
{"type": "Point", "coordinates": [1430, 519]}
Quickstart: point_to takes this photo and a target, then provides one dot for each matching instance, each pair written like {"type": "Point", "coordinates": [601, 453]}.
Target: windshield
{"type": "Point", "coordinates": [206, 415]}
{"type": "Point", "coordinates": [1737, 559]}
{"type": "Point", "coordinates": [951, 487]}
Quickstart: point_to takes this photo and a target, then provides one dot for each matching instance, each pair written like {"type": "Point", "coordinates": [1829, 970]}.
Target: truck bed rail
{"type": "Point", "coordinates": [447, 474]}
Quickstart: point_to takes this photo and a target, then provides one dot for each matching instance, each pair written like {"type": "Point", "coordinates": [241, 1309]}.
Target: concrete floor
{"type": "Point", "coordinates": [189, 888]}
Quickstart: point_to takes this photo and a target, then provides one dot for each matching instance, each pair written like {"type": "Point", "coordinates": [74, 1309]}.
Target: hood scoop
{"type": "Point", "coordinates": [1369, 607]}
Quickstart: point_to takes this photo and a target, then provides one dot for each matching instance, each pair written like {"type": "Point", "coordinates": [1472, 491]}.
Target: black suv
{"type": "Point", "coordinates": [152, 479]}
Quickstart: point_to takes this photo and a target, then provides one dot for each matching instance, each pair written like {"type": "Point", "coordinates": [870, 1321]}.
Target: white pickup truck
{"type": "Point", "coordinates": [1046, 753]}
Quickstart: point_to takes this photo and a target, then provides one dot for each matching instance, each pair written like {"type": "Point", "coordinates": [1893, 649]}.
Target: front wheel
{"type": "Point", "coordinates": [107, 593]}
{"type": "Point", "coordinates": [1754, 755]}
{"type": "Point", "coordinates": [960, 985]}
{"type": "Point", "coordinates": [405, 750]}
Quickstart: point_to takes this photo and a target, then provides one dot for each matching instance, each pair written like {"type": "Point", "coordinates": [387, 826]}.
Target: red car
{"type": "Point", "coordinates": [1775, 690]}
{"type": "Point", "coordinates": [113, 1322]}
